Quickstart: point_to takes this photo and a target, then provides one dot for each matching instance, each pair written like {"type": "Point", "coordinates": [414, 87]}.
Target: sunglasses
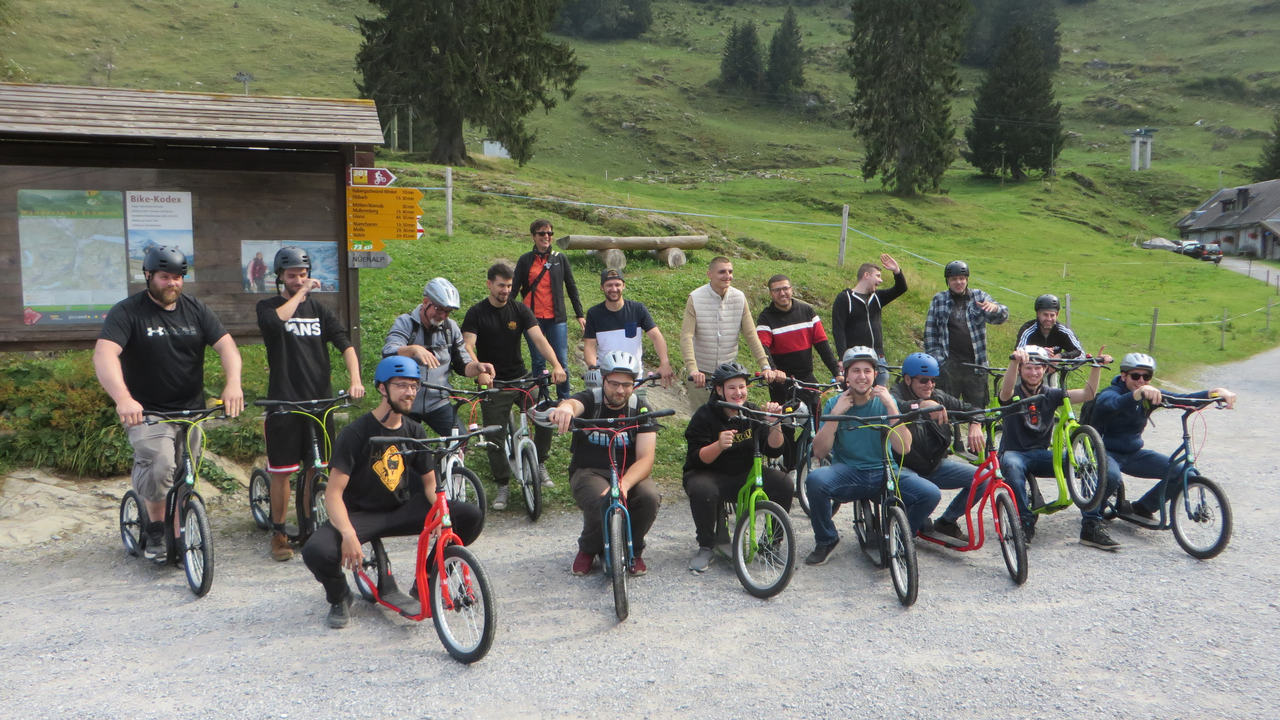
{"type": "Point", "coordinates": [545, 233]}
{"type": "Point", "coordinates": [926, 380]}
{"type": "Point", "coordinates": [1140, 376]}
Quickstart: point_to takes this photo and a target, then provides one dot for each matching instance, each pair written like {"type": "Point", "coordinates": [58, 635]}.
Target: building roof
{"type": "Point", "coordinates": [64, 110]}
{"type": "Point", "coordinates": [1263, 204]}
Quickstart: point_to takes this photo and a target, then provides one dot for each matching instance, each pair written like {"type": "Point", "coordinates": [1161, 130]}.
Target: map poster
{"type": "Point", "coordinates": [72, 248]}
{"type": "Point", "coordinates": [158, 217]}
{"type": "Point", "coordinates": [257, 263]}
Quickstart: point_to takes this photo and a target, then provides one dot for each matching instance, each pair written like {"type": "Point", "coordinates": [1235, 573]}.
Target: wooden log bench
{"type": "Point", "coordinates": [612, 250]}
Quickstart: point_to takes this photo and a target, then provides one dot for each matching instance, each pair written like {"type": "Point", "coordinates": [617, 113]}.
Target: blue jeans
{"type": "Point", "coordinates": [557, 335]}
{"type": "Point", "coordinates": [1016, 466]}
{"type": "Point", "coordinates": [1142, 464]}
{"type": "Point", "coordinates": [843, 483]}
{"type": "Point", "coordinates": [954, 475]}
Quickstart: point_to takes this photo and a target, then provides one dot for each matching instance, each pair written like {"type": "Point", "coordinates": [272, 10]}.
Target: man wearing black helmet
{"type": "Point", "coordinates": [721, 451]}
{"type": "Point", "coordinates": [297, 331]}
{"type": "Point", "coordinates": [955, 333]}
{"type": "Point", "coordinates": [150, 358]}
{"type": "Point", "coordinates": [1046, 332]}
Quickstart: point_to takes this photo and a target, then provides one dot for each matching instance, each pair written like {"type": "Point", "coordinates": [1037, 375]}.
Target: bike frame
{"type": "Point", "coordinates": [184, 479]}
{"type": "Point", "coordinates": [1183, 454]}
{"type": "Point", "coordinates": [987, 472]}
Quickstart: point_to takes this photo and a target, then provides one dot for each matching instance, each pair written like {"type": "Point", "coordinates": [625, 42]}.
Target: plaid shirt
{"type": "Point", "coordinates": [937, 333]}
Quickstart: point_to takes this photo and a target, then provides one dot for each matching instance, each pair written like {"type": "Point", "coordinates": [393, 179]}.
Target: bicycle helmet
{"type": "Point", "coordinates": [728, 371]}
{"type": "Point", "coordinates": [619, 361]}
{"type": "Point", "coordinates": [292, 257]}
{"type": "Point", "coordinates": [1138, 361]}
{"type": "Point", "coordinates": [1037, 355]}
{"type": "Point", "coordinates": [1048, 302]}
{"type": "Point", "coordinates": [592, 378]}
{"type": "Point", "coordinates": [396, 366]}
{"type": "Point", "coordinates": [442, 293]}
{"type": "Point", "coordinates": [859, 352]}
{"type": "Point", "coordinates": [165, 258]}
{"type": "Point", "coordinates": [920, 365]}
{"type": "Point", "coordinates": [956, 267]}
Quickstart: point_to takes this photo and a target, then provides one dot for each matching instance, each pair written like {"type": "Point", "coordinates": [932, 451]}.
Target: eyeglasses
{"type": "Point", "coordinates": [620, 385]}
{"type": "Point", "coordinates": [1135, 376]}
{"type": "Point", "coordinates": [780, 289]}
{"type": "Point", "coordinates": [405, 386]}
{"type": "Point", "coordinates": [545, 233]}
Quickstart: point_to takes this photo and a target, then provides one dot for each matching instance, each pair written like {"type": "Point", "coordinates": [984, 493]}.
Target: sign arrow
{"type": "Point", "coordinates": [370, 177]}
{"type": "Point", "coordinates": [368, 260]}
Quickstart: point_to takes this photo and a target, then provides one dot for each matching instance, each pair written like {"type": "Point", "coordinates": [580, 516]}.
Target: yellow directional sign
{"type": "Point", "coordinates": [375, 214]}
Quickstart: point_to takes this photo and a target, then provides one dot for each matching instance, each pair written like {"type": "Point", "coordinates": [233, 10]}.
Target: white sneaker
{"type": "Point", "coordinates": [546, 477]}
{"type": "Point", "coordinates": [500, 500]}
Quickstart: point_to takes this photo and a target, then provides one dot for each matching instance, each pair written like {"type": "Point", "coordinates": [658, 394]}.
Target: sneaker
{"type": "Point", "coordinates": [1138, 509]}
{"type": "Point", "coordinates": [545, 476]}
{"type": "Point", "coordinates": [500, 500]}
{"type": "Point", "coordinates": [702, 560]}
{"type": "Point", "coordinates": [637, 568]}
{"type": "Point", "coordinates": [950, 528]}
{"type": "Point", "coordinates": [1094, 535]}
{"type": "Point", "coordinates": [1029, 529]}
{"type": "Point", "coordinates": [821, 554]}
{"type": "Point", "coordinates": [926, 527]}
{"type": "Point", "coordinates": [583, 563]}
{"type": "Point", "coordinates": [154, 549]}
{"type": "Point", "coordinates": [340, 612]}
{"type": "Point", "coordinates": [280, 550]}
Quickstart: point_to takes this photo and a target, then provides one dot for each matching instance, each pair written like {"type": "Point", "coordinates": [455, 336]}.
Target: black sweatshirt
{"type": "Point", "coordinates": [855, 321]}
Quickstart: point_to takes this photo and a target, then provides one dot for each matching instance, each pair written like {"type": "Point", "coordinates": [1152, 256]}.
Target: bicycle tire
{"type": "Point", "coordinates": [197, 546]}
{"type": "Point", "coordinates": [464, 485]}
{"type": "Point", "coordinates": [260, 498]}
{"type": "Point", "coordinates": [1013, 546]}
{"type": "Point", "coordinates": [319, 510]}
{"type": "Point", "coordinates": [1086, 468]}
{"type": "Point", "coordinates": [618, 563]}
{"type": "Point", "coordinates": [468, 628]}
{"type": "Point", "coordinates": [1205, 494]}
{"type": "Point", "coordinates": [530, 483]}
{"type": "Point", "coordinates": [375, 566]}
{"type": "Point", "coordinates": [133, 523]}
{"type": "Point", "coordinates": [800, 475]}
{"type": "Point", "coordinates": [865, 526]}
{"type": "Point", "coordinates": [901, 557]}
{"type": "Point", "coordinates": [305, 507]}
{"type": "Point", "coordinates": [765, 566]}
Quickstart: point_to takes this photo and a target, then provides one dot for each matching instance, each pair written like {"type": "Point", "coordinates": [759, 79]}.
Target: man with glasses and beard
{"type": "Point", "coordinates": [150, 358]}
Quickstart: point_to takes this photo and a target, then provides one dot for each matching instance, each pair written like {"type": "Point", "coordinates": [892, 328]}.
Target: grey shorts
{"type": "Point", "coordinates": [155, 457]}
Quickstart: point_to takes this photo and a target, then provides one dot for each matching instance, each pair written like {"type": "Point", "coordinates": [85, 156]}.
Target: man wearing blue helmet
{"type": "Point", "coordinates": [931, 439]}
{"type": "Point", "coordinates": [368, 495]}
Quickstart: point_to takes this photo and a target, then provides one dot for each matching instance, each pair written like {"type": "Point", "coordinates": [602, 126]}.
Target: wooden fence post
{"type": "Point", "coordinates": [1155, 317]}
{"type": "Point", "coordinates": [448, 201]}
{"type": "Point", "coordinates": [844, 234]}
{"type": "Point", "coordinates": [1268, 314]}
{"type": "Point", "coordinates": [1068, 323]}
{"type": "Point", "coordinates": [1223, 345]}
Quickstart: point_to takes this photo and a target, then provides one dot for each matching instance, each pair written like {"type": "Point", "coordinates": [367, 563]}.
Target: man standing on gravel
{"type": "Point", "coordinates": [492, 330]}
{"type": "Point", "coordinates": [618, 325]}
{"type": "Point", "coordinates": [297, 331]}
{"type": "Point", "coordinates": [856, 313]}
{"type": "Point", "coordinates": [955, 333]}
{"type": "Point", "coordinates": [714, 316]}
{"type": "Point", "coordinates": [150, 358]}
{"type": "Point", "coordinates": [542, 278]}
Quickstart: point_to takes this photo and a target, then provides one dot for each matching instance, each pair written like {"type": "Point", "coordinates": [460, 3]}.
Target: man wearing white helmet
{"type": "Point", "coordinates": [589, 469]}
{"type": "Point", "coordinates": [1120, 415]}
{"type": "Point", "coordinates": [433, 339]}
{"type": "Point", "coordinates": [1027, 435]}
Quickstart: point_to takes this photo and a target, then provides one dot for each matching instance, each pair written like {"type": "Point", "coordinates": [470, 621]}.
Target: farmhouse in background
{"type": "Point", "coordinates": [1243, 220]}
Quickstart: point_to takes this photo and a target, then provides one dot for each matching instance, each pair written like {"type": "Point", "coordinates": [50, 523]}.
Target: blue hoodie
{"type": "Point", "coordinates": [1120, 419]}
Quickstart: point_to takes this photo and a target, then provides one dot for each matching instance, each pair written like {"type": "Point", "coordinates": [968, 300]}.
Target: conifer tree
{"type": "Point", "coordinates": [1017, 125]}
{"type": "Point", "coordinates": [605, 19]}
{"type": "Point", "coordinates": [992, 20]}
{"type": "Point", "coordinates": [904, 58]}
{"type": "Point", "coordinates": [786, 57]}
{"type": "Point", "coordinates": [741, 66]}
{"type": "Point", "coordinates": [484, 62]}
{"type": "Point", "coordinates": [1269, 161]}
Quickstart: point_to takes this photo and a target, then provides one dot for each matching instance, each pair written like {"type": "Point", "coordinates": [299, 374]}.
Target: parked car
{"type": "Point", "coordinates": [1212, 253]}
{"type": "Point", "coordinates": [1191, 249]}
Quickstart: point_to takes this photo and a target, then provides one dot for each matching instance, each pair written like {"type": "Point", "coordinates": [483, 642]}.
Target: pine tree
{"type": "Point", "coordinates": [903, 57]}
{"type": "Point", "coordinates": [1269, 161]}
{"type": "Point", "coordinates": [1017, 125]}
{"type": "Point", "coordinates": [605, 19]}
{"type": "Point", "coordinates": [484, 62]}
{"type": "Point", "coordinates": [741, 65]}
{"type": "Point", "coordinates": [992, 20]}
{"type": "Point", "coordinates": [786, 57]}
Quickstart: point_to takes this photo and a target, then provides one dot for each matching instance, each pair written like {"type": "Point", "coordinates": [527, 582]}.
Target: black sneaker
{"type": "Point", "coordinates": [950, 528]}
{"type": "Point", "coordinates": [340, 613]}
{"type": "Point", "coordinates": [1139, 510]}
{"type": "Point", "coordinates": [1094, 535]}
{"type": "Point", "coordinates": [821, 554]}
{"type": "Point", "coordinates": [155, 550]}
{"type": "Point", "coordinates": [1029, 529]}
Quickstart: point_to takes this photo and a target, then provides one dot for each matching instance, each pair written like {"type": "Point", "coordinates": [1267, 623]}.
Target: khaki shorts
{"type": "Point", "coordinates": [697, 395]}
{"type": "Point", "coordinates": [155, 457]}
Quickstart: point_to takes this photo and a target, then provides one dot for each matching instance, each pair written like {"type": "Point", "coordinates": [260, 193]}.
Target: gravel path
{"type": "Point", "coordinates": [1145, 633]}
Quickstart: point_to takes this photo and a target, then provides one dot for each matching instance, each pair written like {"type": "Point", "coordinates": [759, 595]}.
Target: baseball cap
{"type": "Point", "coordinates": [610, 274]}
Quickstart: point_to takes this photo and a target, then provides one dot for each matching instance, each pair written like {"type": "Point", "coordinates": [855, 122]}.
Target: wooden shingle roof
{"type": "Point", "coordinates": [63, 110]}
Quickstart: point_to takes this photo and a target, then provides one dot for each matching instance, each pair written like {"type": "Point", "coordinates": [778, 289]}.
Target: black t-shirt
{"type": "Point", "coordinates": [1033, 429]}
{"type": "Point", "coordinates": [590, 448]}
{"type": "Point", "coordinates": [498, 331]}
{"type": "Point", "coordinates": [959, 339]}
{"type": "Point", "coordinates": [296, 352]}
{"type": "Point", "coordinates": [163, 357]}
{"type": "Point", "coordinates": [705, 427]}
{"type": "Point", "coordinates": [380, 477]}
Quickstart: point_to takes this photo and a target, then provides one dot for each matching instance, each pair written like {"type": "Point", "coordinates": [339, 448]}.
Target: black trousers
{"type": "Point", "coordinates": [495, 411]}
{"type": "Point", "coordinates": [323, 551]}
{"type": "Point", "coordinates": [968, 384]}
{"type": "Point", "coordinates": [708, 489]}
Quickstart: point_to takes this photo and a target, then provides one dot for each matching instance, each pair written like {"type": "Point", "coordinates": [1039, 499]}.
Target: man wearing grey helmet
{"type": "Point", "coordinates": [434, 340]}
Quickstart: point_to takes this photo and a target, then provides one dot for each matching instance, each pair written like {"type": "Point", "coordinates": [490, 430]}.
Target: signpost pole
{"type": "Point", "coordinates": [448, 201]}
{"type": "Point", "coordinates": [844, 234]}
{"type": "Point", "coordinates": [1068, 323]}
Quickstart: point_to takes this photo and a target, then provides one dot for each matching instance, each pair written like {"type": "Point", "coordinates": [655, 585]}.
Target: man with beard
{"type": "Point", "coordinates": [368, 495]}
{"type": "Point", "coordinates": [543, 277]}
{"type": "Point", "coordinates": [618, 325]}
{"type": "Point", "coordinates": [955, 333]}
{"type": "Point", "coordinates": [856, 313]}
{"type": "Point", "coordinates": [150, 358]}
{"type": "Point", "coordinates": [296, 330]}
